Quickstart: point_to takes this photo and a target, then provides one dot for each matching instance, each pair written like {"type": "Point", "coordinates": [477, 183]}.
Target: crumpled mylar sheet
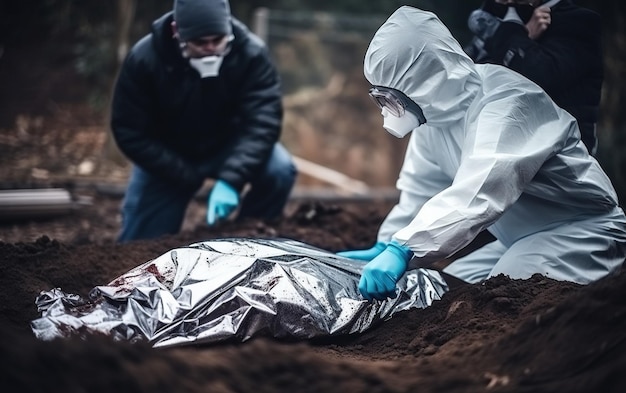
{"type": "Point", "coordinates": [232, 289]}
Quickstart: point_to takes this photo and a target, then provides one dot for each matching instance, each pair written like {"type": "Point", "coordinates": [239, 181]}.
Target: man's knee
{"type": "Point", "coordinates": [281, 170]}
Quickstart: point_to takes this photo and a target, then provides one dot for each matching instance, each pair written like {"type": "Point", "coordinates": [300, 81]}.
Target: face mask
{"type": "Point", "coordinates": [207, 66]}
{"type": "Point", "coordinates": [400, 114]}
{"type": "Point", "coordinates": [399, 126]}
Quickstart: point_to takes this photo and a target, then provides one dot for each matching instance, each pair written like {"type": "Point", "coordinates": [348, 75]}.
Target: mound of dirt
{"type": "Point", "coordinates": [535, 335]}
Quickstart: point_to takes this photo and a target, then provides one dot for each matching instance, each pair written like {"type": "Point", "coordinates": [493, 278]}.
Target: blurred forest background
{"type": "Point", "coordinates": [59, 60]}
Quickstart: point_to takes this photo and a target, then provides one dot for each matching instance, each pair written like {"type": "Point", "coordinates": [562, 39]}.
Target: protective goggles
{"type": "Point", "coordinates": [396, 102]}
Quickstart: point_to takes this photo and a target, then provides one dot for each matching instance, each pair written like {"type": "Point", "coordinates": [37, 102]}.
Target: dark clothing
{"type": "Point", "coordinates": [566, 61]}
{"type": "Point", "coordinates": [170, 122]}
{"type": "Point", "coordinates": [152, 207]}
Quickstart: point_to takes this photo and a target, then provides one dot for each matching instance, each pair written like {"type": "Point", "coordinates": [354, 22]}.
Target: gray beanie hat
{"type": "Point", "coordinates": [199, 18]}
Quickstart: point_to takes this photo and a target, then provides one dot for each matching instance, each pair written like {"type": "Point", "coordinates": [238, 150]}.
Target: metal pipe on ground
{"type": "Point", "coordinates": [18, 204]}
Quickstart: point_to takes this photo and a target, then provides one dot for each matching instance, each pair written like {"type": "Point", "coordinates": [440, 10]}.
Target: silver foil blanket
{"type": "Point", "coordinates": [232, 289]}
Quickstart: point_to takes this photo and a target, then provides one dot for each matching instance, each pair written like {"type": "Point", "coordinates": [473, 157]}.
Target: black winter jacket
{"type": "Point", "coordinates": [566, 60]}
{"type": "Point", "coordinates": [169, 121]}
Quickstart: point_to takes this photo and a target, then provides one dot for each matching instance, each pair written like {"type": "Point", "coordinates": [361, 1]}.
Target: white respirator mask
{"type": "Point", "coordinates": [399, 126]}
{"type": "Point", "coordinates": [208, 66]}
{"type": "Point", "coordinates": [400, 114]}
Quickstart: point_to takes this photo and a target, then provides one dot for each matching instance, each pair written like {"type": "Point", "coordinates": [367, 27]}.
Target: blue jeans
{"type": "Point", "coordinates": [152, 207]}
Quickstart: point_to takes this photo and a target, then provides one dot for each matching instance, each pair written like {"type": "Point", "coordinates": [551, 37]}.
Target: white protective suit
{"type": "Point", "coordinates": [496, 153]}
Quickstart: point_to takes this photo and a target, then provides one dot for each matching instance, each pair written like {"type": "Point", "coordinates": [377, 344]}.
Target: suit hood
{"type": "Point", "coordinates": [415, 53]}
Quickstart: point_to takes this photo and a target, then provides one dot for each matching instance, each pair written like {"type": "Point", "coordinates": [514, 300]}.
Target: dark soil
{"type": "Point", "coordinates": [535, 335]}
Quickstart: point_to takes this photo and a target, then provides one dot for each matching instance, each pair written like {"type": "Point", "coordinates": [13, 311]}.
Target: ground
{"type": "Point", "coordinates": [535, 335]}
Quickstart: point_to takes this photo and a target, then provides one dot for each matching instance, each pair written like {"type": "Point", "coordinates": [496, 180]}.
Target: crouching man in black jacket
{"type": "Point", "coordinates": [199, 98]}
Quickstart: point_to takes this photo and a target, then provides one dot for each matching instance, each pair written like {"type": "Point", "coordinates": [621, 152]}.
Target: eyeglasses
{"type": "Point", "coordinates": [396, 102]}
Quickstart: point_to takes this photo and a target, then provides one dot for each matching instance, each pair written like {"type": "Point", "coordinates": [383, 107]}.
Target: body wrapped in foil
{"type": "Point", "coordinates": [232, 289]}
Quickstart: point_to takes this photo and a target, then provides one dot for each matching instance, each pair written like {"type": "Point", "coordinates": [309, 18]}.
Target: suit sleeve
{"type": "Point", "coordinates": [503, 150]}
{"type": "Point", "coordinates": [420, 179]}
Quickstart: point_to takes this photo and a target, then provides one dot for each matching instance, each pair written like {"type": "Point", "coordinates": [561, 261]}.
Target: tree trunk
{"type": "Point", "coordinates": [125, 16]}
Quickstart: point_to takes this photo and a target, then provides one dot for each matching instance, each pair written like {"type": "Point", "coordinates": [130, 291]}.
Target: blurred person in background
{"type": "Point", "coordinates": [488, 150]}
{"type": "Point", "coordinates": [554, 43]}
{"type": "Point", "coordinates": [199, 98]}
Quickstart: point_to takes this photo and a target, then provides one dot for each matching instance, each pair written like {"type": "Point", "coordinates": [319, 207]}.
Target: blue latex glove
{"type": "Point", "coordinates": [222, 201]}
{"type": "Point", "coordinates": [380, 276]}
{"type": "Point", "coordinates": [365, 255]}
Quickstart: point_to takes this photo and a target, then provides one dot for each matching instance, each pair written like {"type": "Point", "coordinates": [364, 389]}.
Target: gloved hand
{"type": "Point", "coordinates": [380, 276]}
{"type": "Point", "coordinates": [364, 255]}
{"type": "Point", "coordinates": [222, 201]}
{"type": "Point", "coordinates": [483, 24]}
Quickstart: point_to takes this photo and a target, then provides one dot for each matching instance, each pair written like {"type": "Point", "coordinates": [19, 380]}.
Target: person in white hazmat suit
{"type": "Point", "coordinates": [489, 150]}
